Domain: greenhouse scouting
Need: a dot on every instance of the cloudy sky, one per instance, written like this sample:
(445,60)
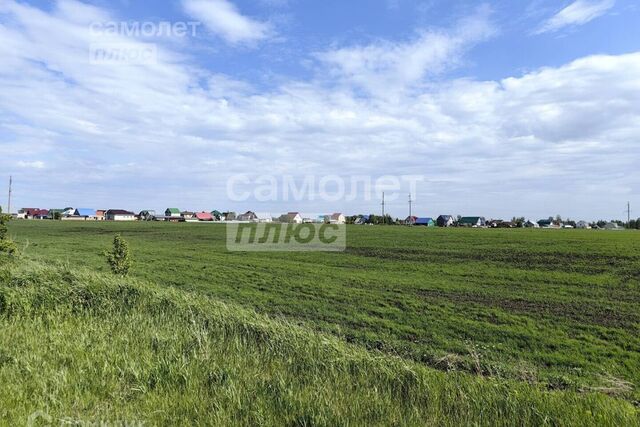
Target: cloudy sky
(505,108)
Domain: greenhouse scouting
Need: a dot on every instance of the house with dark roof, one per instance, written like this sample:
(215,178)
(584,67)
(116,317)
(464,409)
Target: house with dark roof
(291,218)
(472,221)
(247,217)
(217,215)
(119,215)
(33,213)
(549,223)
(361,219)
(445,221)
(147,215)
(187,215)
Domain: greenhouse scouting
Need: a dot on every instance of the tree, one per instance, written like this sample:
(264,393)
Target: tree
(6,244)
(119,258)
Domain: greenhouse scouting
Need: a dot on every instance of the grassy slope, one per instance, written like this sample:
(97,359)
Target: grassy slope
(560,308)
(84,346)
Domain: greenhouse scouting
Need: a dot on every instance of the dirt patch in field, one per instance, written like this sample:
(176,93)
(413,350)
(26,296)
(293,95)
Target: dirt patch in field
(579,312)
(624,266)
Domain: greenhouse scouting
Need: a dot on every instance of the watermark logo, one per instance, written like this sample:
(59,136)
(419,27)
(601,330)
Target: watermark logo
(327,188)
(287,237)
(144,29)
(129,42)
(39,419)
(122,53)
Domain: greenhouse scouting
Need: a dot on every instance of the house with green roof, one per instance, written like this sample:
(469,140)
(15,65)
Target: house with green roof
(172,212)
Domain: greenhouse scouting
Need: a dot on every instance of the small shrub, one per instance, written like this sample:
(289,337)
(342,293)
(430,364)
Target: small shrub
(119,258)
(6,244)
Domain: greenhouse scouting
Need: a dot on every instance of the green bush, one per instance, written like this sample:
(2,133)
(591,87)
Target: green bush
(6,244)
(119,258)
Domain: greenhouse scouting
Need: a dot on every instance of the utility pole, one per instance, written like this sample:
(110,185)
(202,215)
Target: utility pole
(9,203)
(409,207)
(628,214)
(383,205)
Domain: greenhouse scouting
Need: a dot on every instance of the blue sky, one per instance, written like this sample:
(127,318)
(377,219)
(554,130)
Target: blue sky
(506,108)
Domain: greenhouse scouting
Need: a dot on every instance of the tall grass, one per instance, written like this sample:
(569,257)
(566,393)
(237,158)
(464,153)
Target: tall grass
(87,347)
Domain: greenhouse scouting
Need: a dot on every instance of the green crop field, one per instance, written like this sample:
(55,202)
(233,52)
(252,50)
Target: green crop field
(531,326)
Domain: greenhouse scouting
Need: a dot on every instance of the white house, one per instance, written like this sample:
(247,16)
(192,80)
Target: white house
(291,218)
(582,224)
(337,218)
(119,215)
(263,217)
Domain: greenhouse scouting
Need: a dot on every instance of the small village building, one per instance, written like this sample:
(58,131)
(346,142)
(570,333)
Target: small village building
(291,218)
(229,216)
(172,212)
(100,214)
(472,221)
(147,215)
(583,225)
(264,217)
(204,216)
(119,215)
(425,222)
(445,221)
(248,216)
(549,223)
(337,218)
(612,226)
(531,224)
(34,213)
(187,214)
(361,220)
(217,216)
(410,220)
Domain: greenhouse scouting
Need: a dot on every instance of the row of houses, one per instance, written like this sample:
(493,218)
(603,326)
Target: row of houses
(177,215)
(82,214)
(172,215)
(479,221)
(446,221)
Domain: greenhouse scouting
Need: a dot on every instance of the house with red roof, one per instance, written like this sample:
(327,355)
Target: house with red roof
(204,216)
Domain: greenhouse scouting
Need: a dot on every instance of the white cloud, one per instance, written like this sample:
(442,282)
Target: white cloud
(577,13)
(36,164)
(223,18)
(555,140)
(387,67)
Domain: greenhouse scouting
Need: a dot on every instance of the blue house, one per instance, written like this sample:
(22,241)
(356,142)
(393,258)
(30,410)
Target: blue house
(427,222)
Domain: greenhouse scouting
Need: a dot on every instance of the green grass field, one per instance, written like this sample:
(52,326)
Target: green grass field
(550,314)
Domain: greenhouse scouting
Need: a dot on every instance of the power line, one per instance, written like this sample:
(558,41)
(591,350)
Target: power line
(9,202)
